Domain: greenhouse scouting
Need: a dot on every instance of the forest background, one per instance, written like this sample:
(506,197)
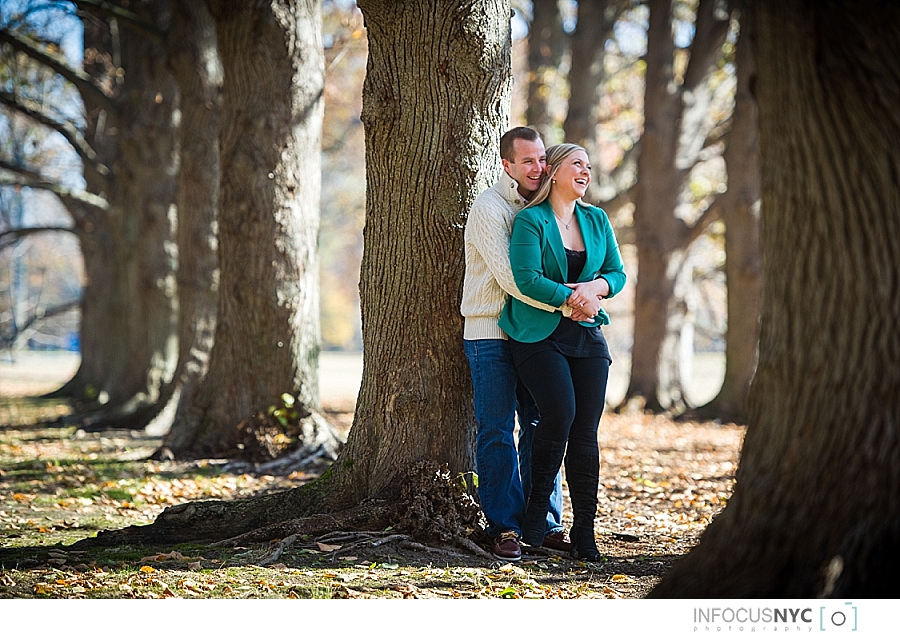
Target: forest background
(43,275)
(198,221)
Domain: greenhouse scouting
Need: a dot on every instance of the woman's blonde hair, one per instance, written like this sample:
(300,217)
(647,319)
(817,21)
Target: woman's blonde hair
(556,154)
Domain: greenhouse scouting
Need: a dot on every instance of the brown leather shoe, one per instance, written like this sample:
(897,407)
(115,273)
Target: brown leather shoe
(558,540)
(506,546)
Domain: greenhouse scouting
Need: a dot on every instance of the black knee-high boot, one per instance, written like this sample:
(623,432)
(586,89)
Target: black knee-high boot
(546,459)
(583,478)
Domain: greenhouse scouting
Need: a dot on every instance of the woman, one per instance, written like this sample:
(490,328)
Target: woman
(563,251)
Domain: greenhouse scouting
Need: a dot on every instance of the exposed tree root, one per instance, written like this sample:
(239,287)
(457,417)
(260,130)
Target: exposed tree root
(262,445)
(374,515)
(211,521)
(273,556)
(448,553)
(135,414)
(638,403)
(432,507)
(368,540)
(422,548)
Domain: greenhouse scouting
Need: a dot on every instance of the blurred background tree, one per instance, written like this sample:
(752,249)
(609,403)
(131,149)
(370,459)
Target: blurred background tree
(582,71)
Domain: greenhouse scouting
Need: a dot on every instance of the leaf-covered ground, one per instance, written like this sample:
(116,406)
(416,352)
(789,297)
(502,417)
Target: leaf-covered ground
(662,482)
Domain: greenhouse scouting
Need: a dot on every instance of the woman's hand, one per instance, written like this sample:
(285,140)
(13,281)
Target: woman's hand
(589,306)
(586,296)
(585,291)
(584,299)
(579,315)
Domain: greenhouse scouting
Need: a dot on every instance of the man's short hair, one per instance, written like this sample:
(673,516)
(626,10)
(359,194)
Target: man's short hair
(507,141)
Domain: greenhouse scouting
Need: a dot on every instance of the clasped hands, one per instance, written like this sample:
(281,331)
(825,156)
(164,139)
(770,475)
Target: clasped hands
(585,299)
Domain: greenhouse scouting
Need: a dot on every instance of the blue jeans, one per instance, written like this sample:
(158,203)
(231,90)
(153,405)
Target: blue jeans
(494,381)
(528,420)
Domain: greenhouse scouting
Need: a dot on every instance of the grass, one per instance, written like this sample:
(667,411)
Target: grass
(662,483)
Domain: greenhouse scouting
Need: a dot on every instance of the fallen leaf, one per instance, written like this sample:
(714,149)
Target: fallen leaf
(175,555)
(327,548)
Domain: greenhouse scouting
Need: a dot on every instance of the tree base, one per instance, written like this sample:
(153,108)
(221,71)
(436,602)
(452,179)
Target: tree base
(432,506)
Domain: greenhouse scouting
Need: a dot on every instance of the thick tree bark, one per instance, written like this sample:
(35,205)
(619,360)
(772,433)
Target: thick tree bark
(128,347)
(817,500)
(431,147)
(194,62)
(267,331)
(743,252)
(546,47)
(674,117)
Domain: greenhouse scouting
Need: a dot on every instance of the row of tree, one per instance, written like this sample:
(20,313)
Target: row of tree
(692,124)
(231,133)
(199,218)
(657,190)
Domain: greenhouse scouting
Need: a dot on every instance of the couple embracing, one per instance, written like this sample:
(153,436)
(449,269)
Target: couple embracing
(538,262)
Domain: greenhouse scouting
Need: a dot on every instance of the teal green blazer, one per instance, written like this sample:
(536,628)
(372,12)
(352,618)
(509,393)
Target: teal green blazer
(540,269)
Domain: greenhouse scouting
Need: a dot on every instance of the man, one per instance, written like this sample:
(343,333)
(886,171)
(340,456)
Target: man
(487,283)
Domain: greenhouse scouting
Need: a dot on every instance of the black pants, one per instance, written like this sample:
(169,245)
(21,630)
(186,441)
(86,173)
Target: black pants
(569,392)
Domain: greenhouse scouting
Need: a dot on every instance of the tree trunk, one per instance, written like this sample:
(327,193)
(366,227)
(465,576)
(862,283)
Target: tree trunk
(266,341)
(194,62)
(129,350)
(587,75)
(674,120)
(546,47)
(431,147)
(97,240)
(817,500)
(743,252)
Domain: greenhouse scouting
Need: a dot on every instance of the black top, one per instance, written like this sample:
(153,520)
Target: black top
(569,338)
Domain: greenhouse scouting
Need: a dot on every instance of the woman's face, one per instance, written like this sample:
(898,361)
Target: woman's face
(573,176)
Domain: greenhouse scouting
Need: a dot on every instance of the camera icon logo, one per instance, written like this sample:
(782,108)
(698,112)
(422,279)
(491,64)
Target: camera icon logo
(841,619)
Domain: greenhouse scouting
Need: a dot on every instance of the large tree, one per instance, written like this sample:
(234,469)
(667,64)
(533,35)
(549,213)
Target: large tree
(676,125)
(431,147)
(195,65)
(129,156)
(743,252)
(436,100)
(266,346)
(816,506)
(547,43)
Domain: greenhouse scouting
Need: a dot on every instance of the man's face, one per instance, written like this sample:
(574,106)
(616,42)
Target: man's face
(527,166)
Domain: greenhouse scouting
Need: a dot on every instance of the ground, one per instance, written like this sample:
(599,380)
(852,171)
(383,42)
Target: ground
(661,484)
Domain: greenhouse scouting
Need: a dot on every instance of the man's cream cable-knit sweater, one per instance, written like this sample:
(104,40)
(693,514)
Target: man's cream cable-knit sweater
(489,280)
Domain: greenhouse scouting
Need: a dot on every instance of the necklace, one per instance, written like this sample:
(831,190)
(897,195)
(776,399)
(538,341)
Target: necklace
(563,222)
